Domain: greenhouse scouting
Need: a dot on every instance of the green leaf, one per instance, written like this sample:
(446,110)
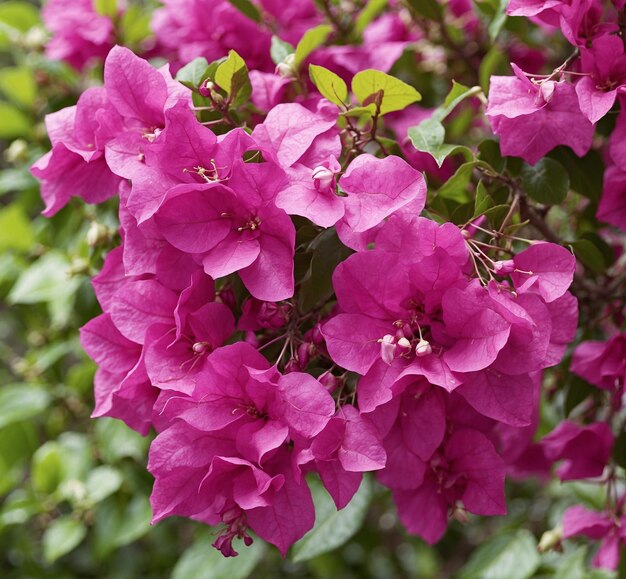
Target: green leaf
(546,182)
(106,7)
(312,39)
(483,200)
(317,285)
(456,96)
(117,441)
(510,554)
(494,62)
(586,173)
(330,85)
(16,231)
(18,441)
(63,536)
(489,152)
(102,482)
(47,469)
(456,188)
(18,84)
(589,255)
(280,50)
(45,280)
(499,19)
(16,18)
(232,77)
(135,25)
(18,179)
(203,561)
(430,9)
(395,94)
(14,122)
(247,8)
(372,9)
(428,137)
(332,528)
(367,111)
(192,74)
(117,525)
(20,402)
(576,566)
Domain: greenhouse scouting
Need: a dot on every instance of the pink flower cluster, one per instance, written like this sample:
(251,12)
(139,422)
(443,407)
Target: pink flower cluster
(416,367)
(533,114)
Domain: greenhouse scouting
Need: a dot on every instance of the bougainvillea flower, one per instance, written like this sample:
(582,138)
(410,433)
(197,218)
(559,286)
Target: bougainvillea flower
(585,449)
(533,118)
(602,364)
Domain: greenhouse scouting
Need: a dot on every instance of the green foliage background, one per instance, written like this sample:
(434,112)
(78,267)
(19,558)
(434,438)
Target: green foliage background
(74,491)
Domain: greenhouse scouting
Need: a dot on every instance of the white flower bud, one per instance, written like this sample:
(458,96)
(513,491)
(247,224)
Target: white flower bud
(547,90)
(387,348)
(323,177)
(404,343)
(423,348)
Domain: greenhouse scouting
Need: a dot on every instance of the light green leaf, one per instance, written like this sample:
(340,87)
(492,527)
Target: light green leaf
(428,137)
(14,123)
(456,96)
(372,9)
(102,482)
(47,469)
(17,16)
(510,555)
(332,528)
(247,8)
(117,441)
(482,201)
(16,231)
(232,77)
(20,402)
(106,7)
(395,95)
(330,85)
(192,74)
(546,182)
(456,188)
(203,561)
(312,39)
(135,25)
(280,50)
(63,536)
(116,526)
(18,84)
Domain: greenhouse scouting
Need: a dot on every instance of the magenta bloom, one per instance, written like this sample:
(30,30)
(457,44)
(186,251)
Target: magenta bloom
(79,34)
(231,460)
(533,118)
(602,364)
(604,527)
(466,469)
(585,449)
(76,165)
(235,229)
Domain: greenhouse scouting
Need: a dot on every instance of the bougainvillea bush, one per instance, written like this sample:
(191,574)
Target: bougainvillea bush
(350,283)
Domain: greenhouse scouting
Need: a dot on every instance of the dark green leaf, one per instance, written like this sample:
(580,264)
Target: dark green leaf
(247,8)
(483,200)
(430,9)
(589,255)
(510,555)
(546,182)
(332,528)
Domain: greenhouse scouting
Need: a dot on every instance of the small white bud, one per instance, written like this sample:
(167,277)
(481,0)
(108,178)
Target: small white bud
(423,348)
(323,177)
(547,90)
(404,343)
(387,348)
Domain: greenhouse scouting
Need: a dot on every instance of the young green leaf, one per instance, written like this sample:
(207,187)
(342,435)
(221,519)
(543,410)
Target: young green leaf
(192,74)
(396,95)
(280,50)
(232,77)
(312,39)
(372,9)
(330,85)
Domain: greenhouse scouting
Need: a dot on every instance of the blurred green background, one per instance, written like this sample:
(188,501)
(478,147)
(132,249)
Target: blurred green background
(74,491)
